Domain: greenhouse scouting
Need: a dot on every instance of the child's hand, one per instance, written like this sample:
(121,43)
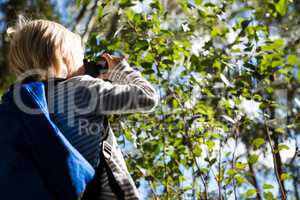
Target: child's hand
(112,61)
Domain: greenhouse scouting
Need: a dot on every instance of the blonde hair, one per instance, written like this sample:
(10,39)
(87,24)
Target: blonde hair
(44,45)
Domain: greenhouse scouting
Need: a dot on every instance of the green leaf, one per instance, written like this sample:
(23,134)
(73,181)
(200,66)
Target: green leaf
(210,145)
(205,170)
(215,31)
(212,161)
(285,176)
(240,180)
(268,186)
(298,76)
(282,147)
(240,165)
(100,11)
(273,46)
(258,142)
(251,192)
(280,130)
(78,3)
(198,2)
(148,71)
(269,196)
(292,59)
(197,150)
(130,15)
(128,134)
(217,64)
(216,135)
(156,5)
(281,7)
(231,172)
(141,45)
(253,158)
(125,3)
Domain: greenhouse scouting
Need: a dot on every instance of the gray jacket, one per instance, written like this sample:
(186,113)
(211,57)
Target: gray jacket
(125,92)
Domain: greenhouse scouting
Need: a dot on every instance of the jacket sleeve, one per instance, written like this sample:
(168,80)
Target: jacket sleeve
(125,92)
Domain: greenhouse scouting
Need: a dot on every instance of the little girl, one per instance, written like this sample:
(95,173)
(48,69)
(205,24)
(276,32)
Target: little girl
(42,50)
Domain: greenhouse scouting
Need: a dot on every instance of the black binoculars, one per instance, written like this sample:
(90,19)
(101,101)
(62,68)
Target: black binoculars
(95,67)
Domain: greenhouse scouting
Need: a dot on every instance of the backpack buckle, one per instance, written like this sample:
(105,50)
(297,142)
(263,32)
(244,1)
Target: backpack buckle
(106,149)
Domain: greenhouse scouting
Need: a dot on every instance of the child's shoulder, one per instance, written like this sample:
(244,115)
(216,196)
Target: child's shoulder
(78,80)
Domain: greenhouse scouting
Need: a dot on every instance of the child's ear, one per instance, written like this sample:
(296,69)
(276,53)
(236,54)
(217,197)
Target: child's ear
(66,67)
(10,32)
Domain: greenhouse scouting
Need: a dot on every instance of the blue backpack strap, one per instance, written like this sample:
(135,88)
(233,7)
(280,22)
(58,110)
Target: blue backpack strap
(65,172)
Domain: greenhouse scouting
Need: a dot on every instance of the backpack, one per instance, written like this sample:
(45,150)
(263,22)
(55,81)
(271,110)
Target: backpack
(36,161)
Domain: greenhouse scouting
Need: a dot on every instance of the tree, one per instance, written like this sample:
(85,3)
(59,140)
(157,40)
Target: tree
(227,76)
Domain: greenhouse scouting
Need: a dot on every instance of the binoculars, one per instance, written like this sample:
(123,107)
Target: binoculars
(95,68)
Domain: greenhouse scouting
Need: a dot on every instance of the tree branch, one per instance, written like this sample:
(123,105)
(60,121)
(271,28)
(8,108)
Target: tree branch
(282,190)
(90,22)
(253,177)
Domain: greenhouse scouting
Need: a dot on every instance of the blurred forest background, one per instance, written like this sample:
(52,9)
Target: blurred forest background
(227,71)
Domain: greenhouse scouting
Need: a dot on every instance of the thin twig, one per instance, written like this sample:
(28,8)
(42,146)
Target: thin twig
(219,169)
(253,177)
(236,134)
(283,195)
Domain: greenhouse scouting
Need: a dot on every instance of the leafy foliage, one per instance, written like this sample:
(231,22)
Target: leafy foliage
(227,74)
